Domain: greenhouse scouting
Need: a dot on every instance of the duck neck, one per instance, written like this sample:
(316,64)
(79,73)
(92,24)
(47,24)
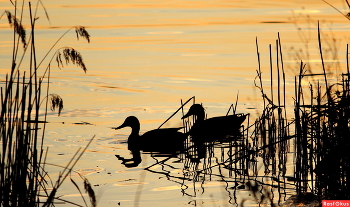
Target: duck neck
(135,130)
(200,116)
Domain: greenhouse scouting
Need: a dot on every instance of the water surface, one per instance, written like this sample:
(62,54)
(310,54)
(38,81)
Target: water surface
(143,59)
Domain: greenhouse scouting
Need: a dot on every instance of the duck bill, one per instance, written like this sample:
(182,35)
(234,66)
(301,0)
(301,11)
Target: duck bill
(243,117)
(120,127)
(186,115)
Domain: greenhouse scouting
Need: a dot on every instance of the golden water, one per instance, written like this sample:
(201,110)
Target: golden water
(144,57)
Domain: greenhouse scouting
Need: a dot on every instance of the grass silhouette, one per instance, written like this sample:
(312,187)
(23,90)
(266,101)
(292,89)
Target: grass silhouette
(23,178)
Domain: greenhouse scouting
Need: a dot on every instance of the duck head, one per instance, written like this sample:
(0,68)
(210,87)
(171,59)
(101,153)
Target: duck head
(132,122)
(196,110)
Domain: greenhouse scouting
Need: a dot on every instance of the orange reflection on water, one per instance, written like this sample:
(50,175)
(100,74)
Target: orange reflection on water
(130,183)
(145,56)
(122,88)
(89,171)
(179,187)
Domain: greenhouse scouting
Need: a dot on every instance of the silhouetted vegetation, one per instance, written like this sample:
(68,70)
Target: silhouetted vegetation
(24,180)
(315,130)
(312,134)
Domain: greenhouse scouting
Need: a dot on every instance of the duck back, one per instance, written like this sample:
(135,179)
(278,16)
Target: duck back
(216,128)
(162,140)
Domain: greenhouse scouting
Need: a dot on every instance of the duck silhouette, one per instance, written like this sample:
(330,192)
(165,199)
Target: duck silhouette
(215,128)
(157,140)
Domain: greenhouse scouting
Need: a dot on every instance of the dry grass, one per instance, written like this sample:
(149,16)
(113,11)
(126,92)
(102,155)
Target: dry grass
(318,130)
(23,178)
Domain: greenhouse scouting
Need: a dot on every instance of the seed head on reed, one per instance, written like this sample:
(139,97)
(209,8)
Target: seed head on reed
(19,29)
(23,156)
(90,192)
(56,102)
(81,31)
(70,55)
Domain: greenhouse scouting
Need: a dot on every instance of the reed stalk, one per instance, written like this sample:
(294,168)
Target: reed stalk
(320,123)
(23,177)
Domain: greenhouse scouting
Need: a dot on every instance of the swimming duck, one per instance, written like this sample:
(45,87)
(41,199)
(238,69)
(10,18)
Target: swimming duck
(213,128)
(157,140)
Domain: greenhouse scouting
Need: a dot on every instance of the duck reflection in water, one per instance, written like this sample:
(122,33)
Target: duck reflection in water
(134,161)
(215,128)
(165,141)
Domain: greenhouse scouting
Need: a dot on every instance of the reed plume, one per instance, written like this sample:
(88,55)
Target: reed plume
(56,102)
(81,31)
(24,180)
(70,55)
(18,27)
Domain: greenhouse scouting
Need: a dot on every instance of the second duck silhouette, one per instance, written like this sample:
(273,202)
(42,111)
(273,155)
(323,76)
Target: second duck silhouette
(157,140)
(215,128)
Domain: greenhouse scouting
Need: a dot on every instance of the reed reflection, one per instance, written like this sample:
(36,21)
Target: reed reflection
(203,166)
(224,156)
(206,155)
